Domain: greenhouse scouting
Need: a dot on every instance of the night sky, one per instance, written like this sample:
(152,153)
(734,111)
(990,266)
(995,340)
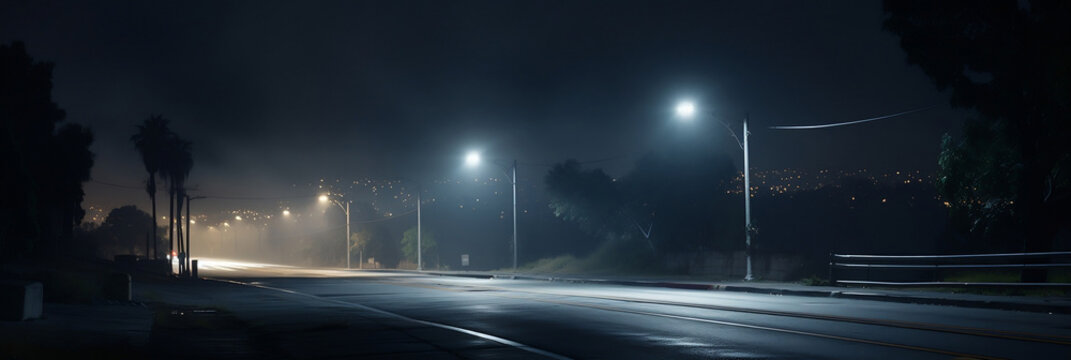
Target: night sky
(278,93)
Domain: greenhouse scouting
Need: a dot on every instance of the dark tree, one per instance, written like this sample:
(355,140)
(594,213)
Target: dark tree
(427,242)
(123,230)
(591,199)
(379,244)
(682,195)
(73,161)
(151,141)
(1010,61)
(42,171)
(176,166)
(673,202)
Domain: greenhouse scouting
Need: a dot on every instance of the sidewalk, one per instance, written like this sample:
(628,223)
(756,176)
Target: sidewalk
(1052,304)
(68,331)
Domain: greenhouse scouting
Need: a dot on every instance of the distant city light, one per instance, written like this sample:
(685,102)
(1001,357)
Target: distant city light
(286,212)
(238,217)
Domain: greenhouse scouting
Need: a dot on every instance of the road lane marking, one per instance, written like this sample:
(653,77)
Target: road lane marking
(486,336)
(697,319)
(962,330)
(759,327)
(994,333)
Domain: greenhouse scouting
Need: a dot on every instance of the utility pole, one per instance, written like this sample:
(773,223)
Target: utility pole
(419,247)
(348,234)
(189,204)
(514,180)
(748,229)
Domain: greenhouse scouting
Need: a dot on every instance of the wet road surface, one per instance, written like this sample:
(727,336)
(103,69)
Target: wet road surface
(585,321)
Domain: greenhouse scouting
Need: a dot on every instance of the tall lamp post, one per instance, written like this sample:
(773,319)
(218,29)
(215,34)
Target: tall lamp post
(419,246)
(686,110)
(237,219)
(346,209)
(189,221)
(473,160)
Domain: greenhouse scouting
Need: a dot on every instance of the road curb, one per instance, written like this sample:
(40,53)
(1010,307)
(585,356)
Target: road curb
(847,293)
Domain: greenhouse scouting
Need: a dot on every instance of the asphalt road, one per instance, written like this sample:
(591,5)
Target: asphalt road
(584,321)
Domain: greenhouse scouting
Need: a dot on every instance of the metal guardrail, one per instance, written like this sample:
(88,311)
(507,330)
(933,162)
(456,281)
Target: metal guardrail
(913,269)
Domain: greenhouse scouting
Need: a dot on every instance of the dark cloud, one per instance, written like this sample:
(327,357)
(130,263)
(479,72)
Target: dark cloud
(282,92)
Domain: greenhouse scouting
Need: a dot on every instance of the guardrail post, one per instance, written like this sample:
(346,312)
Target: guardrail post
(832,269)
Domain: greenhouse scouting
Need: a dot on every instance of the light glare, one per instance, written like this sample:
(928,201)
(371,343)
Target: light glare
(685,109)
(472,159)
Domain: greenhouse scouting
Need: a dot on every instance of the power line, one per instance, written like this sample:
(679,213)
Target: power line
(142,188)
(823,126)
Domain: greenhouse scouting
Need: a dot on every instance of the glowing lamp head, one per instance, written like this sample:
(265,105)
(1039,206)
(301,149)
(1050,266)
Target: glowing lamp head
(472,159)
(323,198)
(685,110)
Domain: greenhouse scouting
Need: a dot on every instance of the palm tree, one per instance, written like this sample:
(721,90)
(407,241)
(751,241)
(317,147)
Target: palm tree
(178,161)
(150,141)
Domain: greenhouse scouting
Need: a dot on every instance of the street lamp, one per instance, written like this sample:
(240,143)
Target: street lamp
(346,209)
(473,160)
(686,110)
(188,261)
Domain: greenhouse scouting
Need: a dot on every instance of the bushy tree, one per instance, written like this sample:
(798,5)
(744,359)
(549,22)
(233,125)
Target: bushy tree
(1009,61)
(378,243)
(427,241)
(124,231)
(672,202)
(681,198)
(589,198)
(976,177)
(41,170)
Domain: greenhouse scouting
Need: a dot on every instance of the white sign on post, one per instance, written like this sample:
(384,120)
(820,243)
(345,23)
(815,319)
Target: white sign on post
(464,259)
